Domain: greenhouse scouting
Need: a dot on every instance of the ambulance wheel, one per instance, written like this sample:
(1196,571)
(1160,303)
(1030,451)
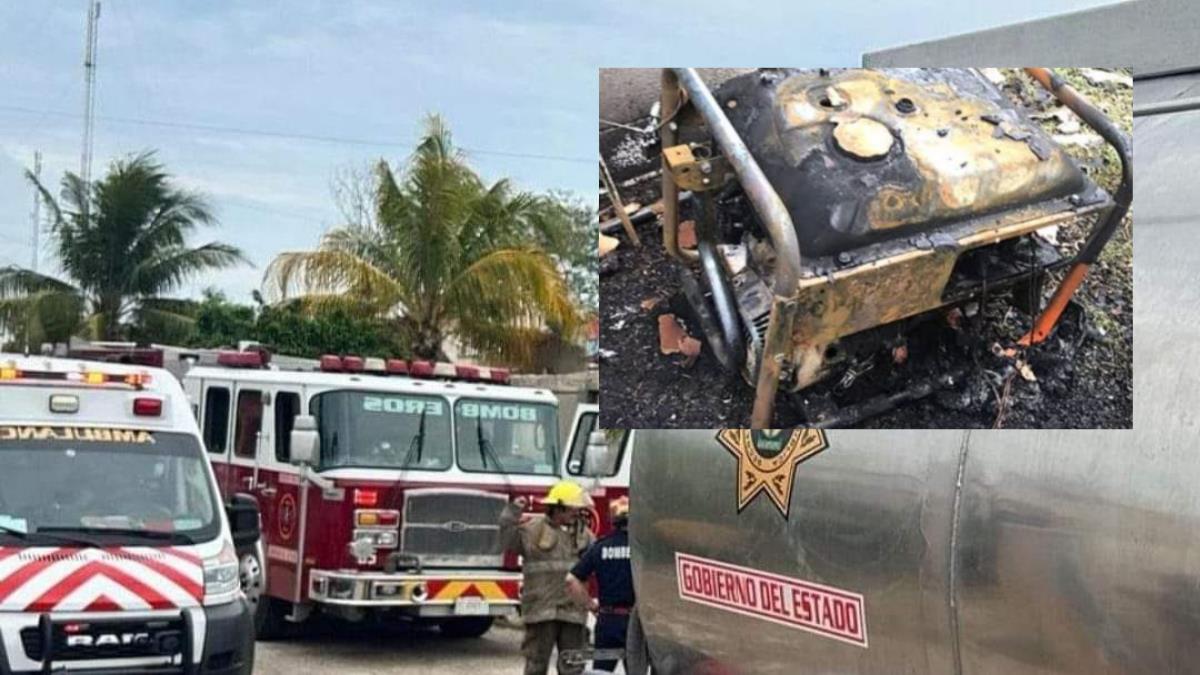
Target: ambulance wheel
(470,627)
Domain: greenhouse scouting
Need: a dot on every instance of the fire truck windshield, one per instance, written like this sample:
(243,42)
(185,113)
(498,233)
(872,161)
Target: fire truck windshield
(383,429)
(104,486)
(506,436)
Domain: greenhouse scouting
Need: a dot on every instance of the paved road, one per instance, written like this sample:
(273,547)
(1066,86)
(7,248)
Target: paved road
(360,649)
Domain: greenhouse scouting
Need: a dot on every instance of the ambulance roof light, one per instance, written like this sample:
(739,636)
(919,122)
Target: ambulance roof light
(331,363)
(10,374)
(352,364)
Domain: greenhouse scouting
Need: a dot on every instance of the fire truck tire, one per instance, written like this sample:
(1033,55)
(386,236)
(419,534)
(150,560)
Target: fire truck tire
(269,621)
(471,627)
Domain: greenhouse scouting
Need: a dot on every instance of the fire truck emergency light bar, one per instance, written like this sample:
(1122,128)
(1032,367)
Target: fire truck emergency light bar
(333,363)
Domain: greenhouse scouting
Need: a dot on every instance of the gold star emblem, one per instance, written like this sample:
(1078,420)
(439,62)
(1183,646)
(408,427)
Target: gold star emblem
(767,460)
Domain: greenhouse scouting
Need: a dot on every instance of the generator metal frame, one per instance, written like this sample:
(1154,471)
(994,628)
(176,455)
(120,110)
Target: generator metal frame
(791,292)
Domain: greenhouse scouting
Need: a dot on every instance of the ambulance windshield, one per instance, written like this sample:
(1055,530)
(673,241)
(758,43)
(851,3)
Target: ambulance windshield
(385,430)
(506,437)
(104,486)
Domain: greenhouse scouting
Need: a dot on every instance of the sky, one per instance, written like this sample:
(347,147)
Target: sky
(349,82)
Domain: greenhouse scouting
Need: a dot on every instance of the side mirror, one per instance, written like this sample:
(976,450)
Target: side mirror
(243,519)
(306,444)
(596,461)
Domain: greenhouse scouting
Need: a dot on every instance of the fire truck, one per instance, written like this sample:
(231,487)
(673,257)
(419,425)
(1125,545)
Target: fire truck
(380,483)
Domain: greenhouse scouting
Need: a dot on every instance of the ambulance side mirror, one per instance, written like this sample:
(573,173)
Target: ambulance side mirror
(596,461)
(306,444)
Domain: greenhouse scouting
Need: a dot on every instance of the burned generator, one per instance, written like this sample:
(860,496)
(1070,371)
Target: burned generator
(830,202)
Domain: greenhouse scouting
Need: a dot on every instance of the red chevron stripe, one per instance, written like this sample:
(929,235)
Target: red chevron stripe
(62,589)
(512,589)
(186,556)
(191,585)
(21,575)
(103,603)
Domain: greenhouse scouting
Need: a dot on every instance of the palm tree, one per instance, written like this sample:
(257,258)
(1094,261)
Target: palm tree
(122,244)
(441,254)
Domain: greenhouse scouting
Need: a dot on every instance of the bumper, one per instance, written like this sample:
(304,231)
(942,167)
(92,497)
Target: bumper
(216,641)
(428,594)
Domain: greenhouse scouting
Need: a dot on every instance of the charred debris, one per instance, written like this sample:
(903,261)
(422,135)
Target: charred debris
(844,242)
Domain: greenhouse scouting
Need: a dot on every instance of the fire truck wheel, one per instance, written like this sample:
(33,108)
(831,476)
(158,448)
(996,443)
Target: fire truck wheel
(269,621)
(471,627)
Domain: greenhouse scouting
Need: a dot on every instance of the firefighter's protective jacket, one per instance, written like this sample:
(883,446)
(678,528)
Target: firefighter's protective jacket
(548,553)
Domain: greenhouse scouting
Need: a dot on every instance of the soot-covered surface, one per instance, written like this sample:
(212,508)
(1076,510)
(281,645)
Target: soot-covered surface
(1080,378)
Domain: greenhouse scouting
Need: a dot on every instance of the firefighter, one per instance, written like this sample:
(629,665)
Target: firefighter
(550,545)
(608,560)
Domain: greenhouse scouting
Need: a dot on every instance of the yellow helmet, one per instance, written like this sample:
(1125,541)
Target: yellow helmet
(569,494)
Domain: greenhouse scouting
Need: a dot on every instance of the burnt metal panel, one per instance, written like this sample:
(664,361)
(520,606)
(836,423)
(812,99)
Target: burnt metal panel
(864,156)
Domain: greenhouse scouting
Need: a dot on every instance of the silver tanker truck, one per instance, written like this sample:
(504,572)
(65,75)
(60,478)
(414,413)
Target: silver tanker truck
(965,552)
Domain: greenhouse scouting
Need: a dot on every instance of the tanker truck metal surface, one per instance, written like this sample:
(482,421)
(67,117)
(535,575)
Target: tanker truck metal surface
(921,552)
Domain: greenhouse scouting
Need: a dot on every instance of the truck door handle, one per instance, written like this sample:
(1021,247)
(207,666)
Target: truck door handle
(248,481)
(266,490)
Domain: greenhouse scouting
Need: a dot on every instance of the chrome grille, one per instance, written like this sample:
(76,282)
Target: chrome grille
(453,527)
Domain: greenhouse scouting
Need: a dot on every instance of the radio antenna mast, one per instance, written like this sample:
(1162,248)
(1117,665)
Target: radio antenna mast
(89,96)
(37,207)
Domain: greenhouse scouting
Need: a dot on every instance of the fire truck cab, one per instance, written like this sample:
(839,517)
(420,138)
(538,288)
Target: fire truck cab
(380,483)
(602,468)
(115,553)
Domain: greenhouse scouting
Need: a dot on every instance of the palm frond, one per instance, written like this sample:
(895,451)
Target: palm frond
(167,268)
(328,272)
(15,281)
(164,315)
(518,288)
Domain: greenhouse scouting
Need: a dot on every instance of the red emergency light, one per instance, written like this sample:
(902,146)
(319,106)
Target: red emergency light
(352,364)
(232,359)
(147,407)
(366,497)
(331,363)
(420,369)
(397,367)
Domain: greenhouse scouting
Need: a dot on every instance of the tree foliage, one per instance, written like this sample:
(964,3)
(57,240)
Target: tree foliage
(121,243)
(441,254)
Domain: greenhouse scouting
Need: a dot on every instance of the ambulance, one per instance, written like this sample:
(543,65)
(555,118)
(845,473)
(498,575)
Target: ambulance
(380,483)
(117,554)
